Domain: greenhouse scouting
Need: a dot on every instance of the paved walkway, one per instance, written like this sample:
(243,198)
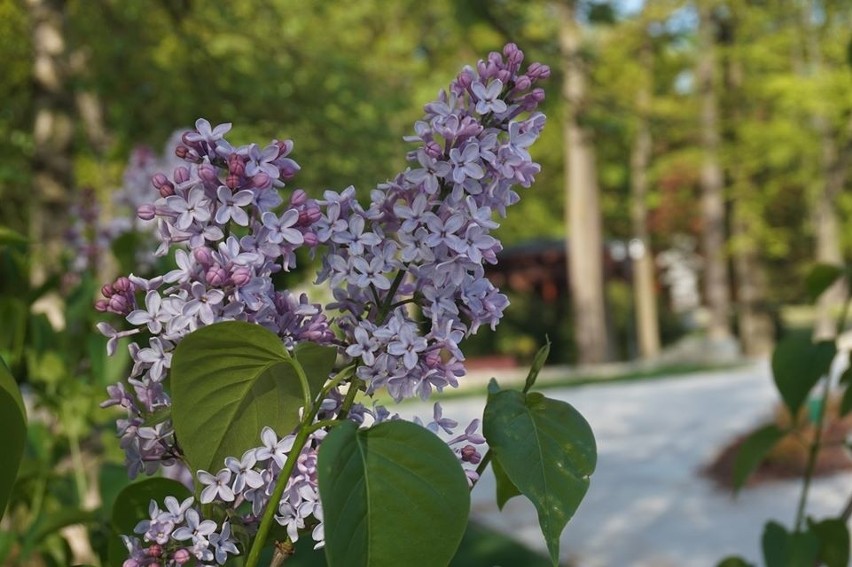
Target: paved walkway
(647,505)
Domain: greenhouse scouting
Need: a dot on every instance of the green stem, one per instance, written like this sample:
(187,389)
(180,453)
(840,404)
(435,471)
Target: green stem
(813,452)
(79,467)
(354,386)
(338,379)
(385,308)
(324,423)
(483,464)
(303,380)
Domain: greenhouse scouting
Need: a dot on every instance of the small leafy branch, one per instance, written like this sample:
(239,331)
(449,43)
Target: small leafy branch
(799,367)
(263,402)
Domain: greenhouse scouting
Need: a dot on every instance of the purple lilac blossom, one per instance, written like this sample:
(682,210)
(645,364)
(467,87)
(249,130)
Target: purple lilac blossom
(422,240)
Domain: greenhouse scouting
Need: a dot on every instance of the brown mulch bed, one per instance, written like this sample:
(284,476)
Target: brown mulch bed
(788,459)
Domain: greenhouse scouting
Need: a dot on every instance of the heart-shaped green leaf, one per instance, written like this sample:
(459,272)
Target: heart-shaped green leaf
(131,507)
(784,549)
(547,450)
(505,489)
(797,365)
(394,494)
(833,538)
(13,433)
(753,451)
(231,379)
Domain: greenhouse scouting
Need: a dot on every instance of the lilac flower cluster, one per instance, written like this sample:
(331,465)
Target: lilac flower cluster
(426,234)
(420,243)
(177,536)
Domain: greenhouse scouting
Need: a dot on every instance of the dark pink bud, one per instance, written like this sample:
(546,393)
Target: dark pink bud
(123,284)
(185,138)
(298,198)
(241,276)
(181,152)
(203,256)
(182,556)
(233,181)
(158,180)
(146,212)
(313,213)
(513,55)
(101,305)
(216,276)
(236,165)
(130,563)
(433,150)
(118,304)
(538,71)
(504,76)
(167,190)
(470,455)
(310,239)
(154,551)
(107,290)
(260,180)
(181,174)
(208,173)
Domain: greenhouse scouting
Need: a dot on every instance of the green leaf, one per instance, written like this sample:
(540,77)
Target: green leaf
(317,362)
(538,363)
(13,433)
(131,507)
(394,494)
(50,523)
(753,451)
(505,489)
(9,236)
(493,386)
(833,538)
(734,561)
(797,365)
(784,549)
(820,278)
(230,379)
(548,452)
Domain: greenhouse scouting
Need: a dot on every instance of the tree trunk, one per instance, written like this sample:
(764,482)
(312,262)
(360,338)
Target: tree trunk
(712,186)
(647,324)
(52,137)
(583,216)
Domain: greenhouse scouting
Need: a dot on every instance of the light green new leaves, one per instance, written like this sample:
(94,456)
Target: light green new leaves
(392,495)
(547,450)
(13,433)
(231,379)
(797,365)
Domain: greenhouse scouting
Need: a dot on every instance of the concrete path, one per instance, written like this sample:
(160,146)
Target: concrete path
(647,505)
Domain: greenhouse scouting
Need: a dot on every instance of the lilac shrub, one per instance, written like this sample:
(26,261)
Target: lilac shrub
(405,273)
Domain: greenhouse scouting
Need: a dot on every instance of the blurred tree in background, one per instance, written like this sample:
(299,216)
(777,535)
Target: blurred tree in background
(765,84)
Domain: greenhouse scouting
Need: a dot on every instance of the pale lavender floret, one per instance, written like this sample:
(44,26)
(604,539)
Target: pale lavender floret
(206,133)
(156,357)
(216,486)
(244,473)
(223,544)
(153,315)
(202,303)
(194,208)
(489,97)
(231,206)
(281,228)
(440,422)
(273,448)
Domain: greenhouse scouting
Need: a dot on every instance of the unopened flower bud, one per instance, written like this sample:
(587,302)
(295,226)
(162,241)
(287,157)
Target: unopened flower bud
(130,563)
(123,284)
(118,304)
(241,276)
(216,276)
(233,181)
(181,152)
(208,173)
(155,550)
(469,454)
(181,556)
(260,180)
(504,75)
(310,239)
(158,180)
(522,83)
(181,174)
(146,212)
(101,305)
(298,198)
(284,147)
(203,256)
(167,190)
(107,290)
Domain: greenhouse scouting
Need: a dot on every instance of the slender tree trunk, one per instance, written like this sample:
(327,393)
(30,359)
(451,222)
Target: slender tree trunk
(754,321)
(647,323)
(52,137)
(712,186)
(827,189)
(583,216)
